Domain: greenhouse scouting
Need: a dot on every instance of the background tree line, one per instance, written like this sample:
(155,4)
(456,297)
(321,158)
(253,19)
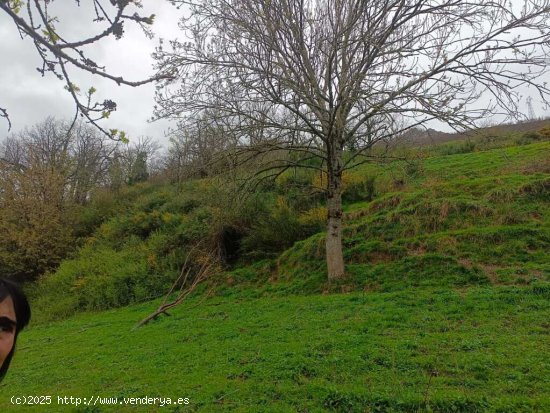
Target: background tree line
(48,172)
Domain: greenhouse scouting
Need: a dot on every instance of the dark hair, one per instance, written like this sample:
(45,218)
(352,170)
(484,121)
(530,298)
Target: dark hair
(22,313)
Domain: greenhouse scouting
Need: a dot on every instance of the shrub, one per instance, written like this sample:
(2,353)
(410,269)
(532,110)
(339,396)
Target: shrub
(313,220)
(361,188)
(195,227)
(97,279)
(294,178)
(413,168)
(88,218)
(544,133)
(356,186)
(181,204)
(458,148)
(275,231)
(527,138)
(141,224)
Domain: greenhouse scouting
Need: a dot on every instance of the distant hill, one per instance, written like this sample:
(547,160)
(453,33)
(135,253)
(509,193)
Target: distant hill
(417,136)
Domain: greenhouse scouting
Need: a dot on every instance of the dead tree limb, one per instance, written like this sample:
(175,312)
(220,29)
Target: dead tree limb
(190,277)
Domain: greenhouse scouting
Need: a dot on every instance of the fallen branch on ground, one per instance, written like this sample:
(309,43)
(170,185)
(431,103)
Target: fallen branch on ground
(190,277)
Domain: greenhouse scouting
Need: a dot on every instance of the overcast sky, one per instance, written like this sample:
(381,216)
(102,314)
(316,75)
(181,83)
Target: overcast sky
(29,97)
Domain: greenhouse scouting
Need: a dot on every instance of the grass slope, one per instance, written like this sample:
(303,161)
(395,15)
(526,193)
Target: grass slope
(478,349)
(446,305)
(466,219)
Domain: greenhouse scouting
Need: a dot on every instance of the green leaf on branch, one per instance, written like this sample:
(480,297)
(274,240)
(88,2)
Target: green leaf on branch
(50,35)
(71,87)
(15,6)
(122,137)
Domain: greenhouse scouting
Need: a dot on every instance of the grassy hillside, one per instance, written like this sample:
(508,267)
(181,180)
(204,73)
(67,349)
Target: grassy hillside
(428,349)
(445,306)
(466,219)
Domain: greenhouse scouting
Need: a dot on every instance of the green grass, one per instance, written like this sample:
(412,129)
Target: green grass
(444,350)
(445,305)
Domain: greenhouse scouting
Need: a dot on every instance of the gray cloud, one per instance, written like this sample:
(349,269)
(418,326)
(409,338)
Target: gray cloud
(29,98)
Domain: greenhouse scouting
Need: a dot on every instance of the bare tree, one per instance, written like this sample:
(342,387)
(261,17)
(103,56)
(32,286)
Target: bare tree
(198,151)
(90,154)
(35,226)
(79,154)
(315,76)
(45,171)
(137,158)
(34,20)
(176,160)
(12,153)
(44,152)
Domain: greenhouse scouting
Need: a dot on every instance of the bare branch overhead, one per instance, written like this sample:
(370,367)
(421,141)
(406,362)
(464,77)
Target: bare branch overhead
(35,21)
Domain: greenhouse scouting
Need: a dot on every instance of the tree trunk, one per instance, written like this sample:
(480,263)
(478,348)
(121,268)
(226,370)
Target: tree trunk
(335,258)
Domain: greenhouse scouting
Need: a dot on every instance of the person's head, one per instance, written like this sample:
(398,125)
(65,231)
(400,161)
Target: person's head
(15,314)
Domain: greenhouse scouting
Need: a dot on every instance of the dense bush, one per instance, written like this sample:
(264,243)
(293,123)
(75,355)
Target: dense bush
(294,178)
(133,256)
(274,231)
(99,278)
(137,253)
(359,188)
(87,218)
(544,133)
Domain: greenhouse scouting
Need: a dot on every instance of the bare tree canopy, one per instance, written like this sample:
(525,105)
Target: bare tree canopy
(318,75)
(59,55)
(78,153)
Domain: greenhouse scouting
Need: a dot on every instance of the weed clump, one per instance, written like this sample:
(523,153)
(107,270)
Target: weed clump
(458,148)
